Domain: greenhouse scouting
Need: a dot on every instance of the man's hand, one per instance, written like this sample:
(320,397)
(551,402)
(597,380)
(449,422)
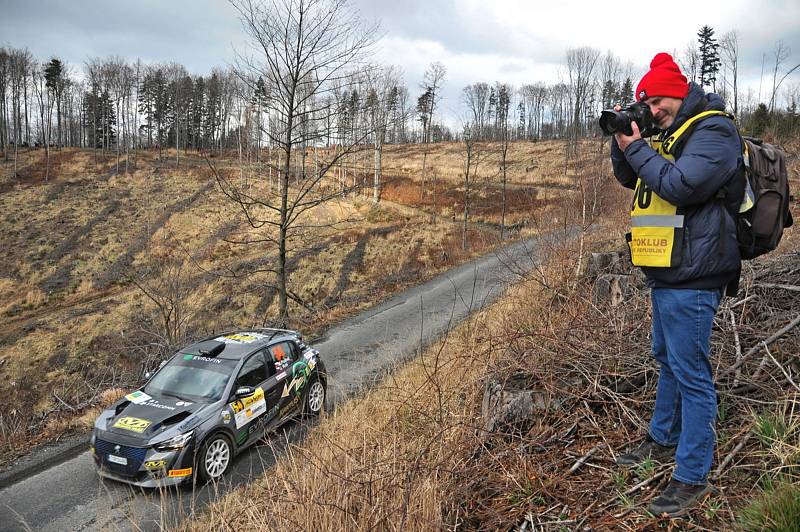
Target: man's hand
(624,140)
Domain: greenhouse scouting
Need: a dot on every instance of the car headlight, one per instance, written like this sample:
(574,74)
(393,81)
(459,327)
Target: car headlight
(173,444)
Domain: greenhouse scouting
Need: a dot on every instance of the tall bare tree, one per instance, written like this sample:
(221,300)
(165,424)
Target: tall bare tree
(382,100)
(476,97)
(304,50)
(729,44)
(426,107)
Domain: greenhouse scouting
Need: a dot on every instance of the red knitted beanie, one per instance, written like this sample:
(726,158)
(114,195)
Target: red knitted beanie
(663,79)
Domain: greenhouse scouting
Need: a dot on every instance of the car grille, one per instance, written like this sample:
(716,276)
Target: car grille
(135,456)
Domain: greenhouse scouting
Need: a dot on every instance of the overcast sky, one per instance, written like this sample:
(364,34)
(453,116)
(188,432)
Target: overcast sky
(512,41)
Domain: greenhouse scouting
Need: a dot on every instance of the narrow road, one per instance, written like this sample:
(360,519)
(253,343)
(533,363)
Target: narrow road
(70,495)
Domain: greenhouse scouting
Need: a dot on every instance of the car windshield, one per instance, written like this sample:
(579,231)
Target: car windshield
(192,377)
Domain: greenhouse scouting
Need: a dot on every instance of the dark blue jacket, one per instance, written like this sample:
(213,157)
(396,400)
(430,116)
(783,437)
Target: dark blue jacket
(710,159)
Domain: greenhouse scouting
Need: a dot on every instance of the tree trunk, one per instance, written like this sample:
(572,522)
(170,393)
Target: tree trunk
(283,310)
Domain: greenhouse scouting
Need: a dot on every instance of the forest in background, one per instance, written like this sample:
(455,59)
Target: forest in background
(117,105)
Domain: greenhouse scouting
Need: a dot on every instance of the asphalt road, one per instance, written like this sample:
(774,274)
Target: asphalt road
(70,495)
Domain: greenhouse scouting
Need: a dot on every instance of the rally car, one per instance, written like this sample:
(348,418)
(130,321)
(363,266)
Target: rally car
(207,403)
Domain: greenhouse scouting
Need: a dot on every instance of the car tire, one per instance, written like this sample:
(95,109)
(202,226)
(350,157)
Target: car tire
(215,457)
(315,398)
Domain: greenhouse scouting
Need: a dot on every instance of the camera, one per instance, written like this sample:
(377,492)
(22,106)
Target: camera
(612,121)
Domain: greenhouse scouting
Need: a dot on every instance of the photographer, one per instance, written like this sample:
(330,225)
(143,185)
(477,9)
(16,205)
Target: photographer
(683,235)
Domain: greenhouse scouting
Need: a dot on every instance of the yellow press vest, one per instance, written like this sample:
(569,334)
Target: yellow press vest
(657,230)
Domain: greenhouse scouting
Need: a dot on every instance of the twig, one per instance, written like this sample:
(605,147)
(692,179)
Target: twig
(792,324)
(738,345)
(583,459)
(788,378)
(730,455)
(638,486)
(742,301)
(60,400)
(790,287)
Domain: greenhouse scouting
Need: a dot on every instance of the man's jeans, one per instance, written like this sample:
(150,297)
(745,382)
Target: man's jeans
(686,402)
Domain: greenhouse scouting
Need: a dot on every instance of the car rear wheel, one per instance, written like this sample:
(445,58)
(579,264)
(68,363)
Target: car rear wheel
(216,458)
(315,400)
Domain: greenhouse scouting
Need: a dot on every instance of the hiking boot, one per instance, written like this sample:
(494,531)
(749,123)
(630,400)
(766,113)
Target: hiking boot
(678,498)
(647,449)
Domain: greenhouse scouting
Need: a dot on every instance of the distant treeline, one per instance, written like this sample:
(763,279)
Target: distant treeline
(116,105)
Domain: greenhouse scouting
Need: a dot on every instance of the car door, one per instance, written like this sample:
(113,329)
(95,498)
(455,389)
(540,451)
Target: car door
(284,357)
(249,412)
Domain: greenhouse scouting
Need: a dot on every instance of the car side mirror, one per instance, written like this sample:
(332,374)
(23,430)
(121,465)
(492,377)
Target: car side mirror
(244,391)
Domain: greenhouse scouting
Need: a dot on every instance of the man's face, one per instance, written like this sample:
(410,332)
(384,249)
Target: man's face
(664,109)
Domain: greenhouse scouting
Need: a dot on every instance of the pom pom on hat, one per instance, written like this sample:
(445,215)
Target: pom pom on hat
(663,79)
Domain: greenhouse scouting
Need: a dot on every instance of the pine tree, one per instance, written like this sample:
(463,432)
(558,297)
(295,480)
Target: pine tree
(709,57)
(626,93)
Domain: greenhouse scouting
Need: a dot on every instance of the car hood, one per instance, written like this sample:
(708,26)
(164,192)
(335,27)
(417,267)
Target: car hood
(139,415)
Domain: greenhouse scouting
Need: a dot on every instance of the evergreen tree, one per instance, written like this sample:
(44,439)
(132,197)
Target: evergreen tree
(424,109)
(625,96)
(759,121)
(100,119)
(709,57)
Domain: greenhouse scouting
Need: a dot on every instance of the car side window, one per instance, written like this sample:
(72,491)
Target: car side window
(282,355)
(253,372)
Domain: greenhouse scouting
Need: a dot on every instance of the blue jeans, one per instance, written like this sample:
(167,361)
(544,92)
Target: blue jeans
(686,401)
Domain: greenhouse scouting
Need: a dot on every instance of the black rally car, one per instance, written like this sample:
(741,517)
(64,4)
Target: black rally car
(207,403)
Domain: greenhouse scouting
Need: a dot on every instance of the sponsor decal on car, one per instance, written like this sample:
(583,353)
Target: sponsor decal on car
(183,403)
(247,409)
(226,416)
(133,424)
(300,373)
(289,406)
(180,472)
(202,359)
(241,338)
(155,464)
(153,403)
(138,397)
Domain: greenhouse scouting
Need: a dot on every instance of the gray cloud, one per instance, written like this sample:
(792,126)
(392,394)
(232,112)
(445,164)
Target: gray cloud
(512,41)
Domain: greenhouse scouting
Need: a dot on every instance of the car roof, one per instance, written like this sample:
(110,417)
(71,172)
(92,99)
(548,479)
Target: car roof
(239,343)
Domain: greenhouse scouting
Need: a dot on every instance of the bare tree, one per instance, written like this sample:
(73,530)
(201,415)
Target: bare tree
(476,97)
(503,104)
(46,99)
(730,52)
(472,157)
(164,279)
(426,107)
(581,64)
(781,54)
(689,61)
(5,77)
(305,49)
(380,104)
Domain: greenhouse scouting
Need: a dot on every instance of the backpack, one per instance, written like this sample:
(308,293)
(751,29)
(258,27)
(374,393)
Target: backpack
(763,213)
(759,228)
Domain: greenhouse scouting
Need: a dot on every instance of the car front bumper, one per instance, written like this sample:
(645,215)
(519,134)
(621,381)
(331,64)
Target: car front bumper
(140,466)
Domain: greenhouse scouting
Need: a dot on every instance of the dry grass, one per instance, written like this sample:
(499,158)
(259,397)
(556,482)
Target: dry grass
(72,324)
(411,455)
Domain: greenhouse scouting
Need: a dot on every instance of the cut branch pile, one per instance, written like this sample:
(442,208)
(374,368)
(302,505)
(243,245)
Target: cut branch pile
(594,360)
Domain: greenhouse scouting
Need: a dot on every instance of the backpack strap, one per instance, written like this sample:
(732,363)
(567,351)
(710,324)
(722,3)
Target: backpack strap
(669,143)
(676,139)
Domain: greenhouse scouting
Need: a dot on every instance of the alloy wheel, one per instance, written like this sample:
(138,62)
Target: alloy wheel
(316,396)
(217,458)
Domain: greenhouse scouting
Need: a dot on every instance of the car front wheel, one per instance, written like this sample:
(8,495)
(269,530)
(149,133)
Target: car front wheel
(216,458)
(315,400)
